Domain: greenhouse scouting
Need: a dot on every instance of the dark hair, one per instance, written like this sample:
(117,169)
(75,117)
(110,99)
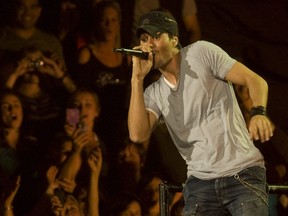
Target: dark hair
(7,91)
(139,146)
(97,13)
(121,201)
(56,145)
(102,5)
(4,93)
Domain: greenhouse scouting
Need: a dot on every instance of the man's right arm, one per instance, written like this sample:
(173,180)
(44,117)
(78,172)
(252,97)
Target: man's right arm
(140,121)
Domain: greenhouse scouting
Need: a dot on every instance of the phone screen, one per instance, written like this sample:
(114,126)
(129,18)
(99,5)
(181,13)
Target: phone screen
(72,116)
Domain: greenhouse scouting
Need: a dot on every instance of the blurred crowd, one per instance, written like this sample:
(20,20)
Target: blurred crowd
(64,94)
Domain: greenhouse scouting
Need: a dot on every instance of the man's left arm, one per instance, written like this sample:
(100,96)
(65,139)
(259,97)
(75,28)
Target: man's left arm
(260,126)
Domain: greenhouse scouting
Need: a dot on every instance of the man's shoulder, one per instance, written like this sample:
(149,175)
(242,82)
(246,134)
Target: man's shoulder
(202,46)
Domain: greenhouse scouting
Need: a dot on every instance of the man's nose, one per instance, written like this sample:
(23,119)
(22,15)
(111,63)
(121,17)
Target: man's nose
(151,40)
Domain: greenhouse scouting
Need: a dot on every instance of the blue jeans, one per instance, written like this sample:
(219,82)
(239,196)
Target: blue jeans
(244,194)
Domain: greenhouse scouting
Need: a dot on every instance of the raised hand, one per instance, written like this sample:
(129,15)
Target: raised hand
(52,68)
(9,199)
(51,179)
(56,205)
(67,185)
(95,160)
(80,139)
(142,67)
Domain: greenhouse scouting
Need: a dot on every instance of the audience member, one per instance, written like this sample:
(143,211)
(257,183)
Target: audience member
(72,30)
(105,71)
(60,148)
(64,203)
(149,193)
(18,153)
(85,144)
(71,206)
(128,167)
(42,206)
(62,187)
(69,18)
(88,104)
(22,32)
(43,87)
(123,204)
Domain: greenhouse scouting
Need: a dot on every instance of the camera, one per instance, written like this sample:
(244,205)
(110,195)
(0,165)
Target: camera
(36,63)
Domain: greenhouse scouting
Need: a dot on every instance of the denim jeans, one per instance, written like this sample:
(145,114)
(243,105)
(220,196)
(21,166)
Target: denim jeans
(244,194)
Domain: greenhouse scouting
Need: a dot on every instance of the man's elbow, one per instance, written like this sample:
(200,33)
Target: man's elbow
(137,138)
(263,83)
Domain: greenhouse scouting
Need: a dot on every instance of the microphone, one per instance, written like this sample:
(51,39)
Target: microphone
(137,53)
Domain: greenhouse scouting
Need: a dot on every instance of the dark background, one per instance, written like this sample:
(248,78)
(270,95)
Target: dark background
(256,33)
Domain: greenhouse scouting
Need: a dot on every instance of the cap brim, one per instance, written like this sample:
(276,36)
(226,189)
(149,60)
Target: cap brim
(151,30)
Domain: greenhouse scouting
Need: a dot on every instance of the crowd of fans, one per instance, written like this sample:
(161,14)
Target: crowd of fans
(64,144)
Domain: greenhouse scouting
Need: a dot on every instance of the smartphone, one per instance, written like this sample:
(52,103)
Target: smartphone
(72,116)
(61,194)
(82,127)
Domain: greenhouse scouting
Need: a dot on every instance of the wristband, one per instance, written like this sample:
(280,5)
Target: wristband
(258,110)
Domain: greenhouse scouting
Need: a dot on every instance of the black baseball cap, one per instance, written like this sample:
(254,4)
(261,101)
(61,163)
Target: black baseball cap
(157,22)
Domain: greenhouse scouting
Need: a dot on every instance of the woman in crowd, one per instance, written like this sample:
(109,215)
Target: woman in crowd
(84,142)
(18,153)
(64,203)
(127,169)
(76,155)
(105,71)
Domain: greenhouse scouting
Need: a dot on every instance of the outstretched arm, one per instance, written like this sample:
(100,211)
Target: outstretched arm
(72,165)
(95,164)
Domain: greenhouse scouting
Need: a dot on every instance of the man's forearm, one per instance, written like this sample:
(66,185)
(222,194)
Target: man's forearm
(258,91)
(138,121)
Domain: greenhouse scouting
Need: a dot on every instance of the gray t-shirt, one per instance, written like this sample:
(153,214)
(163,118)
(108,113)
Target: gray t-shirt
(203,116)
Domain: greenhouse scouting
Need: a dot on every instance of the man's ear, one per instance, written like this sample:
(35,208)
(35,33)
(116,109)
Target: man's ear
(175,41)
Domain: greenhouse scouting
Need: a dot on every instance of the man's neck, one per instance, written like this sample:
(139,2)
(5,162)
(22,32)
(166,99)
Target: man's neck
(172,70)
(24,33)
